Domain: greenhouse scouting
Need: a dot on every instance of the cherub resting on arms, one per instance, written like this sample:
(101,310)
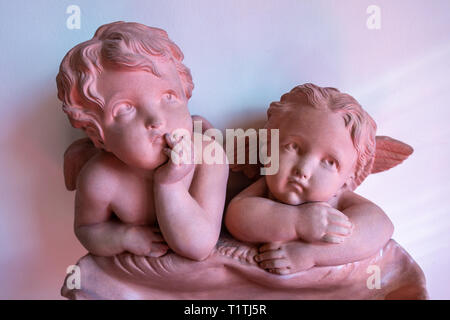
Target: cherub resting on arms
(307,214)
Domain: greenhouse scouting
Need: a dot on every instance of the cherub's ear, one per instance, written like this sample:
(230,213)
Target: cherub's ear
(96,136)
(389,153)
(349,184)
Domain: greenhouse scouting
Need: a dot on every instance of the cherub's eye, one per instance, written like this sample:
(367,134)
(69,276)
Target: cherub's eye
(292,146)
(123,109)
(330,163)
(169,96)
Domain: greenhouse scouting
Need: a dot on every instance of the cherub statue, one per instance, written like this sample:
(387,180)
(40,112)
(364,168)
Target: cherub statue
(128,89)
(307,214)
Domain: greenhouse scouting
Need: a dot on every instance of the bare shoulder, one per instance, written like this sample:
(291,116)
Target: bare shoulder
(350,198)
(213,158)
(256,189)
(100,177)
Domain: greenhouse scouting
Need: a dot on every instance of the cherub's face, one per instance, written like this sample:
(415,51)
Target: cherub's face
(317,157)
(139,109)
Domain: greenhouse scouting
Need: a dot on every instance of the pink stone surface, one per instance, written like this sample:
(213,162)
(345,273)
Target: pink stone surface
(228,274)
(151,222)
(128,89)
(307,213)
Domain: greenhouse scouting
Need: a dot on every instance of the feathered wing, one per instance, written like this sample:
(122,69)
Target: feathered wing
(388,154)
(75,157)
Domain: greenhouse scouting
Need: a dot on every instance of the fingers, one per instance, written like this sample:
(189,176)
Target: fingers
(336,234)
(268,255)
(158,249)
(337,215)
(270,246)
(339,230)
(274,264)
(169,140)
(172,139)
(173,149)
(179,149)
(272,259)
(339,225)
(280,271)
(333,238)
(173,156)
(339,221)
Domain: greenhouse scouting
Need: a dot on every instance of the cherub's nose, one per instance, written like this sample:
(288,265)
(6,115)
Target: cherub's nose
(301,174)
(303,169)
(153,124)
(153,116)
(153,120)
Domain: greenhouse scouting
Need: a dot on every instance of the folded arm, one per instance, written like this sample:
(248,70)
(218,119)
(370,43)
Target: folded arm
(251,217)
(372,230)
(96,226)
(190,217)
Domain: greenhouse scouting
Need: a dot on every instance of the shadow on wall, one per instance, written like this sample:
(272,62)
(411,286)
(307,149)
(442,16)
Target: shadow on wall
(34,152)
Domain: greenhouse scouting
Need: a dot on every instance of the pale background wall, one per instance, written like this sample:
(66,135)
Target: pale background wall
(243,55)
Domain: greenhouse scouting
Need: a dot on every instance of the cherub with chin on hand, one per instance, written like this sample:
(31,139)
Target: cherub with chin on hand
(128,89)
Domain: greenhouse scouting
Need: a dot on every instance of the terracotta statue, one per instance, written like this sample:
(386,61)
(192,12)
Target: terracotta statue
(151,217)
(327,146)
(128,89)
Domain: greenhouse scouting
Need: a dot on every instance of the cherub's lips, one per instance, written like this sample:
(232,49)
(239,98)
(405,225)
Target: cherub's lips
(155,136)
(296,183)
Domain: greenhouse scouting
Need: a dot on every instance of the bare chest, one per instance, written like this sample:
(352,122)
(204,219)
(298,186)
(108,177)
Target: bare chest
(135,202)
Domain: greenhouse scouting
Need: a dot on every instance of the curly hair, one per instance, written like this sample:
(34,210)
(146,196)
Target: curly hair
(361,126)
(124,45)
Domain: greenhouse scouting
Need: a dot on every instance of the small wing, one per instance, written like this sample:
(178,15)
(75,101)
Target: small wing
(75,157)
(389,153)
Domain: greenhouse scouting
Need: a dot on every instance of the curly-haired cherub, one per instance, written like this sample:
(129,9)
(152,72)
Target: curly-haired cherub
(128,89)
(307,214)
